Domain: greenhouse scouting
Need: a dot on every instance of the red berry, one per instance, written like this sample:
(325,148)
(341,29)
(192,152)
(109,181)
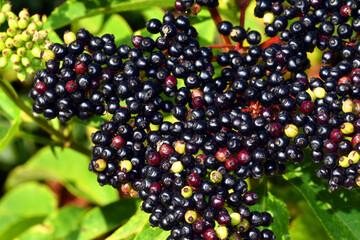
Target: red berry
(80,67)
(40,87)
(136,40)
(194,180)
(118,141)
(165,150)
(222,154)
(210,234)
(155,188)
(171,81)
(243,157)
(345,11)
(217,202)
(231,164)
(198,102)
(178,6)
(71,86)
(307,107)
(330,146)
(355,139)
(250,198)
(275,129)
(336,135)
(154,158)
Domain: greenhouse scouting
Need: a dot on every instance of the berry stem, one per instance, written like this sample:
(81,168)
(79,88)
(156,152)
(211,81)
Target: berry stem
(221,46)
(60,137)
(243,6)
(270,41)
(217,19)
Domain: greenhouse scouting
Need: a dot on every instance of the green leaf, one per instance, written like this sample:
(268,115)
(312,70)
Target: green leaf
(66,166)
(277,209)
(150,233)
(117,26)
(9,119)
(133,226)
(337,211)
(55,226)
(74,10)
(23,207)
(101,220)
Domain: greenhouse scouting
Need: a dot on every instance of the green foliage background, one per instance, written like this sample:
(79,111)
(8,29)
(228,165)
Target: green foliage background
(31,159)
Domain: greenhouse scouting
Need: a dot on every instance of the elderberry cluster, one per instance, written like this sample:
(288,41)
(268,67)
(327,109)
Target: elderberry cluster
(333,27)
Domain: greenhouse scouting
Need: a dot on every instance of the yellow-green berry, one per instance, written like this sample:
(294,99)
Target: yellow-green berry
(319,92)
(21,76)
(11,32)
(47,55)
(24,13)
(69,37)
(186,192)
(30,70)
(15,59)
(7,52)
(13,23)
(291,130)
(191,216)
(357,180)
(2,17)
(177,167)
(25,61)
(222,232)
(354,157)
(23,23)
(344,161)
(21,51)
(3,62)
(235,218)
(6,7)
(215,176)
(125,166)
(244,225)
(180,146)
(36,61)
(9,42)
(2,45)
(347,128)
(100,165)
(348,106)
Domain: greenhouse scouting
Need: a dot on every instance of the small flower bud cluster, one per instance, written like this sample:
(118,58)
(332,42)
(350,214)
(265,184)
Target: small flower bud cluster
(23,41)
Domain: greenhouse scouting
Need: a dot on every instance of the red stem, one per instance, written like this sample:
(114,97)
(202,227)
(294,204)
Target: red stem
(270,41)
(217,19)
(243,6)
(221,46)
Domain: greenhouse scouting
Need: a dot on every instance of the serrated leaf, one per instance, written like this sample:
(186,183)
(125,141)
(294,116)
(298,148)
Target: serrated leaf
(23,207)
(9,120)
(66,166)
(133,226)
(101,220)
(74,10)
(338,211)
(150,233)
(55,226)
(277,209)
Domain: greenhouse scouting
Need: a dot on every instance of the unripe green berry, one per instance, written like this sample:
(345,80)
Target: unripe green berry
(354,157)
(222,232)
(191,216)
(32,27)
(25,62)
(29,46)
(69,37)
(3,62)
(100,165)
(2,17)
(13,23)
(235,218)
(319,92)
(215,176)
(21,76)
(11,32)
(244,225)
(6,7)
(3,36)
(36,61)
(10,15)
(344,162)
(177,167)
(23,23)
(186,192)
(7,52)
(21,51)
(35,18)
(9,43)
(18,42)
(15,59)
(180,146)
(40,36)
(18,68)
(26,36)
(35,51)
(30,70)
(2,45)
(268,18)
(24,13)
(291,130)
(125,166)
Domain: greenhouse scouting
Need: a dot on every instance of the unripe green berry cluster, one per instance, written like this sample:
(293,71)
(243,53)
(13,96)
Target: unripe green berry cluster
(23,41)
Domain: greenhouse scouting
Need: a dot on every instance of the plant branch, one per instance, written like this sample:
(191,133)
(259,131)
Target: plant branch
(270,41)
(217,19)
(60,137)
(243,6)
(221,46)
